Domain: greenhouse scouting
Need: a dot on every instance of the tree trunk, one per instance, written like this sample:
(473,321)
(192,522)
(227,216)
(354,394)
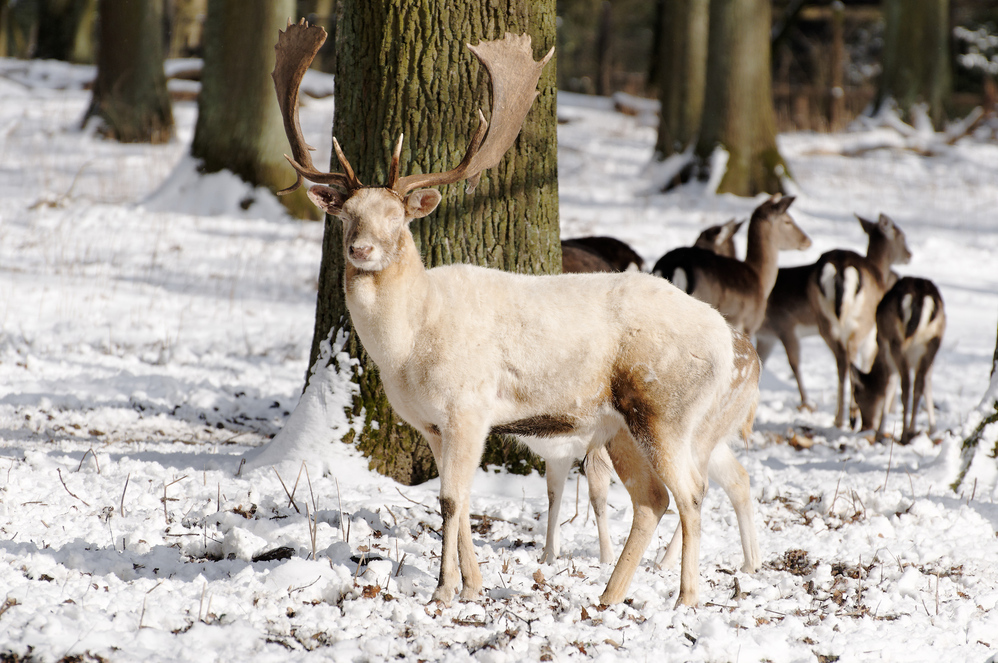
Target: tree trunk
(397,70)
(66,30)
(681,67)
(239,126)
(738,111)
(130,95)
(916,57)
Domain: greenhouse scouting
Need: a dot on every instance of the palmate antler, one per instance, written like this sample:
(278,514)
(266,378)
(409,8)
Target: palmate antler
(512,72)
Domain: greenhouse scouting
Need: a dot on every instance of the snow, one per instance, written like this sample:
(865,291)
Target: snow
(153,338)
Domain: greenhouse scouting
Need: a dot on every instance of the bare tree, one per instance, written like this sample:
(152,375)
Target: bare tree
(916,57)
(972,450)
(130,95)
(738,111)
(239,126)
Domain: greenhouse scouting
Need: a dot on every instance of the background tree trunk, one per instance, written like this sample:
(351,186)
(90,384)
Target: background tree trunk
(66,30)
(186,27)
(239,126)
(680,70)
(916,57)
(398,70)
(738,102)
(130,95)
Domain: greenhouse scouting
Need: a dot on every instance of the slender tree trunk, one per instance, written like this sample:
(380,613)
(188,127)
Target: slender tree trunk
(239,126)
(66,30)
(738,111)
(916,57)
(130,95)
(681,67)
(971,450)
(398,71)
(186,26)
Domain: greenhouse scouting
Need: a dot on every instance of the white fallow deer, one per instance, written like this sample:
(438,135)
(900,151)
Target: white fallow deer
(844,289)
(464,350)
(911,321)
(789,314)
(738,289)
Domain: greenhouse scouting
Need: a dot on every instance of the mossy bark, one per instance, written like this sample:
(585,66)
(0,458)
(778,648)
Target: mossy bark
(130,95)
(916,57)
(406,69)
(738,110)
(239,126)
(680,71)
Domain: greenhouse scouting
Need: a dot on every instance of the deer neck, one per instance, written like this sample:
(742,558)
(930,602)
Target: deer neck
(878,254)
(761,255)
(386,306)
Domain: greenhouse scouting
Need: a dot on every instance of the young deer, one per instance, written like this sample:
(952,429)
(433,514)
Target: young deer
(911,321)
(737,289)
(789,314)
(464,350)
(618,254)
(844,289)
(720,239)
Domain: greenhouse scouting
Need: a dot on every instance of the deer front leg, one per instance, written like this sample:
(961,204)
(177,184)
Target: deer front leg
(556,472)
(460,450)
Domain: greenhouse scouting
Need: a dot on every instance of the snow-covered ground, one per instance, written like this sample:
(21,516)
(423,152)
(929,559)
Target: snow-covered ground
(146,345)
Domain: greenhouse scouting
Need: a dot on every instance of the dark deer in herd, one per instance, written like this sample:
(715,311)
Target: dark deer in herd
(844,289)
(625,361)
(911,321)
(789,313)
(738,289)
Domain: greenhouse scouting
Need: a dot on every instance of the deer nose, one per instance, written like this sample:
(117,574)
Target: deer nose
(361,252)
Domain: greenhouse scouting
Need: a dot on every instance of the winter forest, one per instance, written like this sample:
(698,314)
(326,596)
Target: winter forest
(692,358)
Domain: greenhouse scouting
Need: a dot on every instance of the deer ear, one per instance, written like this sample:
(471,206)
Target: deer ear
(784,203)
(868,226)
(421,202)
(328,199)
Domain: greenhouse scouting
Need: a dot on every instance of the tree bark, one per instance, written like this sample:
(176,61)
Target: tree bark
(239,126)
(406,69)
(680,70)
(130,95)
(738,111)
(916,66)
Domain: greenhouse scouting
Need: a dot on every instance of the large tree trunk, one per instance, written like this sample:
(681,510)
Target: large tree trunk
(130,95)
(680,72)
(239,126)
(738,111)
(916,57)
(398,71)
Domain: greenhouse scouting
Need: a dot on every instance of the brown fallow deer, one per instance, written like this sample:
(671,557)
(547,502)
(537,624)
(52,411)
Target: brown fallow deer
(844,289)
(720,239)
(911,321)
(617,254)
(789,314)
(738,289)
(619,359)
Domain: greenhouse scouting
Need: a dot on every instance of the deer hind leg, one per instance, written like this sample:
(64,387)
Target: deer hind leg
(925,371)
(597,464)
(843,397)
(792,345)
(460,451)
(555,472)
(650,501)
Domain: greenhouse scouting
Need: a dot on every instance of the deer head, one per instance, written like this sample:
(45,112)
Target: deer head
(376,216)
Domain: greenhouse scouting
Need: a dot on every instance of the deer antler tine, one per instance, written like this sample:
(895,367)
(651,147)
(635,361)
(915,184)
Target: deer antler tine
(352,180)
(393,168)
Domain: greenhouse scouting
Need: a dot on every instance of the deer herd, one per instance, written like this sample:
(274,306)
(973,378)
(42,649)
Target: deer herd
(650,374)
